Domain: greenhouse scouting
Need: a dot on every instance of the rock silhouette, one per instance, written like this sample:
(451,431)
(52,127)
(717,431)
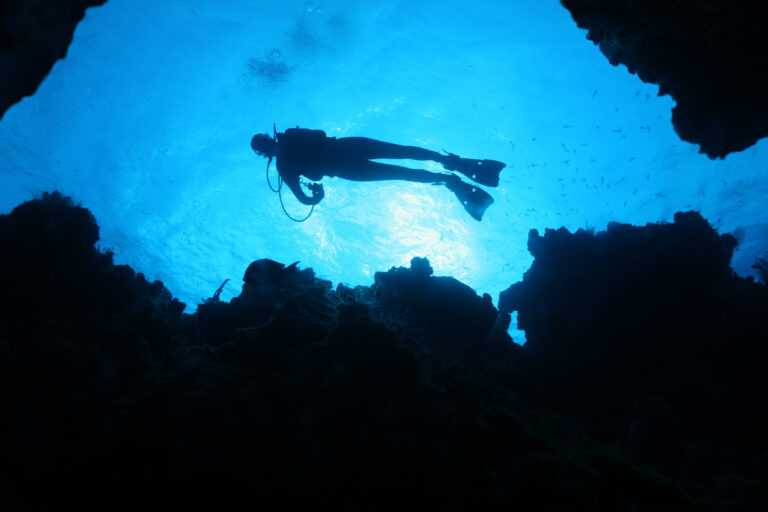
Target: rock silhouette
(639,387)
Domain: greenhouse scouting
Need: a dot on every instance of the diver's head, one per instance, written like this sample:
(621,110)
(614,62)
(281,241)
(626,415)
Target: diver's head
(264,145)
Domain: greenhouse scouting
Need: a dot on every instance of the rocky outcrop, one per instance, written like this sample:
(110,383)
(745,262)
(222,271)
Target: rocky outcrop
(646,332)
(706,54)
(34,34)
(409,387)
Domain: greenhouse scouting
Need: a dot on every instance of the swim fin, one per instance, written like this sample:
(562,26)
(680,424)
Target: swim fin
(484,172)
(475,200)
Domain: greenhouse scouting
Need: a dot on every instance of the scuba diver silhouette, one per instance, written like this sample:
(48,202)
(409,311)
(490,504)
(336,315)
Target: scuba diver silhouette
(312,154)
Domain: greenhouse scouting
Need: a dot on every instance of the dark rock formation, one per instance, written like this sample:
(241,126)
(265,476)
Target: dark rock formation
(707,54)
(409,388)
(451,309)
(34,34)
(646,334)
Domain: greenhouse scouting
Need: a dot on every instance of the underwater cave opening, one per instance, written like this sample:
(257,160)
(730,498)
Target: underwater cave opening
(147,123)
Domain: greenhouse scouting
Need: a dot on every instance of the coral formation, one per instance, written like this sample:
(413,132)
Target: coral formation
(34,34)
(616,316)
(705,54)
(761,266)
(627,395)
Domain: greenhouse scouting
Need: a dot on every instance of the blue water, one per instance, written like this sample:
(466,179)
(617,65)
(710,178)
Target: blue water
(147,122)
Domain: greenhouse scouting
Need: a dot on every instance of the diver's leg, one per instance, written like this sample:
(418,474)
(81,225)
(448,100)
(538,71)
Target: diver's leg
(366,170)
(363,148)
(485,172)
(474,200)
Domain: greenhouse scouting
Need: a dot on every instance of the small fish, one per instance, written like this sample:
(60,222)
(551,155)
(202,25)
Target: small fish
(566,126)
(564,148)
(616,131)
(632,159)
(637,93)
(634,192)
(647,177)
(566,162)
(594,93)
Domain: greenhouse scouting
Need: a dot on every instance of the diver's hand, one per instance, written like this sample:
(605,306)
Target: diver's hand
(317,191)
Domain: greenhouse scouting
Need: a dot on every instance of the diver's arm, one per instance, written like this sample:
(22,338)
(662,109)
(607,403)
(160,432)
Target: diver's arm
(295,186)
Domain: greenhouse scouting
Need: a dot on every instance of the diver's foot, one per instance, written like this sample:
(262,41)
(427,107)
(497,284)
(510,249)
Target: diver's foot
(475,200)
(484,172)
